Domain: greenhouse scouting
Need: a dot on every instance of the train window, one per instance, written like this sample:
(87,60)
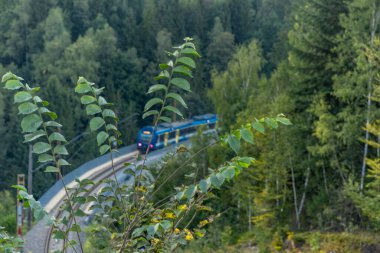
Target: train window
(171,135)
(183,131)
(211,126)
(162,137)
(145,137)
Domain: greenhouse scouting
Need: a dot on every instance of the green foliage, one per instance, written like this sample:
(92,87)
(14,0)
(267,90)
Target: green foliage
(9,244)
(232,88)
(40,127)
(173,74)
(38,122)
(7,212)
(104,120)
(128,217)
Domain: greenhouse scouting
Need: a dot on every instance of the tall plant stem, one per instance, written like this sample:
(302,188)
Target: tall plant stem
(69,200)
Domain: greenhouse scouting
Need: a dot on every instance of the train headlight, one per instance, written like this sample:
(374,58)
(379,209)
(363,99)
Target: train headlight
(151,146)
(139,144)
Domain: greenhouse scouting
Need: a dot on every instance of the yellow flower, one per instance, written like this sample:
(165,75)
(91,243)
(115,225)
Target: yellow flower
(176,231)
(155,241)
(182,207)
(290,236)
(189,236)
(203,223)
(169,215)
(155,220)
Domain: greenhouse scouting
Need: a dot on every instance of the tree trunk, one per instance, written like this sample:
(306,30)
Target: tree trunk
(375,18)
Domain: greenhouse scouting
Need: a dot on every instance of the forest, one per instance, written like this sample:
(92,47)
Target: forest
(315,184)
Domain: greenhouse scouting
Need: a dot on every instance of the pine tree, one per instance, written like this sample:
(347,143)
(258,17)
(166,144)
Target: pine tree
(232,88)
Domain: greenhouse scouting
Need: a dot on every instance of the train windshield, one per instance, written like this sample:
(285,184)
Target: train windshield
(146,136)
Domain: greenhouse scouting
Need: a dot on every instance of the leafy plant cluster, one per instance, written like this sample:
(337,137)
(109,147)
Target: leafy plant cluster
(9,244)
(126,214)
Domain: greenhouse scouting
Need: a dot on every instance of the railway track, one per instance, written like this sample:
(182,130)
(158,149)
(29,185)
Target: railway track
(106,172)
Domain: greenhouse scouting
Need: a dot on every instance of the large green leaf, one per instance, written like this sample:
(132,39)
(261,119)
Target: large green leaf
(258,126)
(44,110)
(156,87)
(92,109)
(101,137)
(96,123)
(33,136)
(52,124)
(138,231)
(86,99)
(217,180)
(163,75)
(111,127)
(152,102)
(60,150)
(272,123)
(102,101)
(43,158)
(63,162)
(178,98)
(81,79)
(204,185)
(283,120)
(103,149)
(13,85)
(166,225)
(165,119)
(57,137)
(190,51)
(181,83)
(245,162)
(51,169)
(7,76)
(108,113)
(190,191)
(22,96)
(187,61)
(183,70)
(41,147)
(152,229)
(99,91)
(150,113)
(31,123)
(37,99)
(247,135)
(27,108)
(173,109)
(229,172)
(83,87)
(234,143)
(189,44)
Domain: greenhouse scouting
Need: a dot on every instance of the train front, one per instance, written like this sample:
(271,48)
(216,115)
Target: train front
(145,138)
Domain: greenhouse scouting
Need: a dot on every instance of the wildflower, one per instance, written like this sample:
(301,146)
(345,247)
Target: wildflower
(169,215)
(203,223)
(155,241)
(182,207)
(189,236)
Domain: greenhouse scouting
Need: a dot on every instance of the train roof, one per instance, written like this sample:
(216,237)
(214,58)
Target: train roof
(196,120)
(205,116)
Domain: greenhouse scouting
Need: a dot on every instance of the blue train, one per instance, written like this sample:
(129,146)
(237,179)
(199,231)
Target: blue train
(175,132)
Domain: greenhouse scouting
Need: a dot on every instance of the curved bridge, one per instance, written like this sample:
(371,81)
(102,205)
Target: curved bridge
(37,240)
